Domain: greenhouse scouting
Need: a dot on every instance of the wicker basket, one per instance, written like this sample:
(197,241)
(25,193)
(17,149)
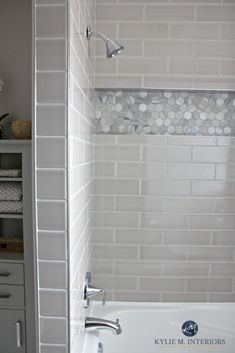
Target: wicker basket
(11,245)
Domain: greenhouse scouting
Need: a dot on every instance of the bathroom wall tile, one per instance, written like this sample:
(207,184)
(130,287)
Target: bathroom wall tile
(192,269)
(162,284)
(51,55)
(53,303)
(193,30)
(53,330)
(159,253)
(187,237)
(117,81)
(136,203)
(165,187)
(225,171)
(157,48)
(225,270)
(51,120)
(140,170)
(214,285)
(164,221)
(114,13)
(102,268)
(51,87)
(117,283)
(51,184)
(213,154)
(224,237)
(51,152)
(105,219)
(189,205)
(147,66)
(169,13)
(138,236)
(222,13)
(222,297)
(191,171)
(114,153)
(138,30)
(137,269)
(46,246)
(53,348)
(210,254)
(116,186)
(190,66)
(50,22)
(115,252)
(183,227)
(166,154)
(184,297)
(52,275)
(104,203)
(51,215)
(136,297)
(103,235)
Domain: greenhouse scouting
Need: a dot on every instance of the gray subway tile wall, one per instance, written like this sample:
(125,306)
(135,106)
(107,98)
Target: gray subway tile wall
(51,175)
(168,44)
(164,218)
(64,76)
(80,161)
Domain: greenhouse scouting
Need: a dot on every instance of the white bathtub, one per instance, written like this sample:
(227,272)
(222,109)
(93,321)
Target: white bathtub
(157,327)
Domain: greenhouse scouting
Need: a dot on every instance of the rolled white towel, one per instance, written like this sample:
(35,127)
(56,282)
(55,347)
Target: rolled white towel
(10,191)
(11,207)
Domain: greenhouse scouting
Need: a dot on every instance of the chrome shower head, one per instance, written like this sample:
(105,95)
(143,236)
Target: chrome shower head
(113,48)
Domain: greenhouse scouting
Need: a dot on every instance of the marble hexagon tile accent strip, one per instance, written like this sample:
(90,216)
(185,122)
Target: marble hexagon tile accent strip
(154,112)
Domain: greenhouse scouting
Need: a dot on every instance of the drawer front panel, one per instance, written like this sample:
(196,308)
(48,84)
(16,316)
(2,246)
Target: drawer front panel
(11,296)
(11,273)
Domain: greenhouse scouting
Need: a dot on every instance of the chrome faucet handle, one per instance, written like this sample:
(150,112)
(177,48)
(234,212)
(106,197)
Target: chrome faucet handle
(90,291)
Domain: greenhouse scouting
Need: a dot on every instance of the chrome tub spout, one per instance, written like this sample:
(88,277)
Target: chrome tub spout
(101,324)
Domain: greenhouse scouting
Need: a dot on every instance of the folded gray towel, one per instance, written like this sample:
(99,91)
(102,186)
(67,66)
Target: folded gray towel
(10,173)
(10,191)
(11,207)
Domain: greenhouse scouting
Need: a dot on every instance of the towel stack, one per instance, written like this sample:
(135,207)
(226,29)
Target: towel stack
(10,192)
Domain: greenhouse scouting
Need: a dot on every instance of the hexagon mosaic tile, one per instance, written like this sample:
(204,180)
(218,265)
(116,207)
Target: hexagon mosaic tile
(154,112)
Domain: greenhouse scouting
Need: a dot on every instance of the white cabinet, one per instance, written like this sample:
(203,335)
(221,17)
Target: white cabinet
(12,331)
(17,309)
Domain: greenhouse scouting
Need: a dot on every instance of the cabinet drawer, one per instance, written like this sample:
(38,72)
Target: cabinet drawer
(11,273)
(11,296)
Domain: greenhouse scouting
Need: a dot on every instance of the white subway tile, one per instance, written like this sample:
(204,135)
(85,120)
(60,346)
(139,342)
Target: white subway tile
(191,66)
(165,187)
(187,237)
(210,254)
(189,205)
(51,55)
(140,170)
(166,48)
(159,220)
(51,87)
(221,269)
(51,120)
(51,215)
(189,140)
(51,184)
(115,252)
(115,219)
(166,154)
(104,169)
(210,284)
(213,221)
(53,303)
(213,188)
(137,203)
(53,330)
(52,275)
(169,13)
(194,30)
(116,186)
(50,21)
(103,235)
(191,171)
(184,297)
(162,284)
(160,253)
(225,171)
(117,81)
(115,13)
(144,30)
(146,66)
(137,269)
(216,13)
(51,152)
(117,153)
(185,269)
(224,237)
(138,236)
(46,246)
(117,282)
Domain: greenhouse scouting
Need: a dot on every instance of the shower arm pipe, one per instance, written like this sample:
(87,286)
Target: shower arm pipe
(90,34)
